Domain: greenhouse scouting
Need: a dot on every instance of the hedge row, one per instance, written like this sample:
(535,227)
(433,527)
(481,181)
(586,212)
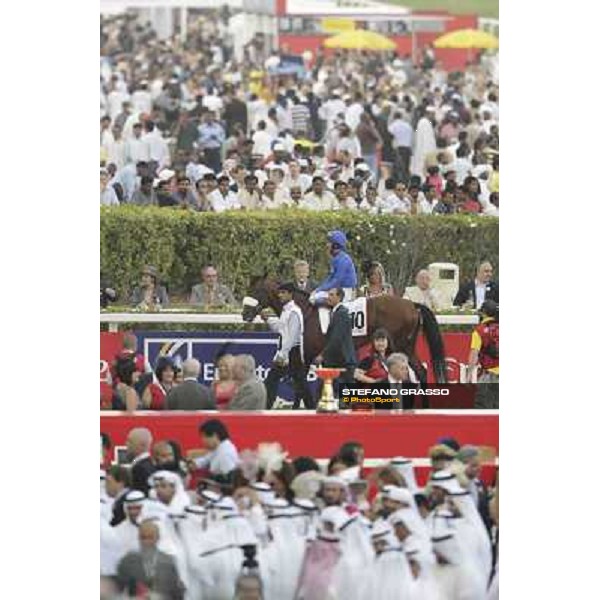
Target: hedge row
(243,244)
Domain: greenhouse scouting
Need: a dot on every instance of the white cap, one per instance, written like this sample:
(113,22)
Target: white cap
(334,480)
(362,167)
(445,480)
(166,175)
(134,497)
(225,503)
(210,495)
(397,494)
(278,147)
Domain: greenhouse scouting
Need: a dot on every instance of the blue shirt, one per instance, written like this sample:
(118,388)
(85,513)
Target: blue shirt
(342,273)
(211,135)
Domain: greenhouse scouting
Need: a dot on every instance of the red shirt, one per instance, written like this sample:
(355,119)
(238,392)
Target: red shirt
(471,206)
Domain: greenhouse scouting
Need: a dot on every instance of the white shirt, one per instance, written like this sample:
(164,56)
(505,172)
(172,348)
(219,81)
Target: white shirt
(303,181)
(393,204)
(115,103)
(353,115)
(402,133)
(425,207)
(157,148)
(479,294)
(325,202)
(220,461)
(137,150)
(222,203)
(141,100)
(262,142)
(213,103)
(108,197)
(116,153)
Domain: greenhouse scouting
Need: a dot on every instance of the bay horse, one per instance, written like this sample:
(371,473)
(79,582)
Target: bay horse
(401,318)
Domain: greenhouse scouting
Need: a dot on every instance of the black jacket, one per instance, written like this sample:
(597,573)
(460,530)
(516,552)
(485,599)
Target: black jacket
(339,349)
(466,293)
(190,395)
(140,472)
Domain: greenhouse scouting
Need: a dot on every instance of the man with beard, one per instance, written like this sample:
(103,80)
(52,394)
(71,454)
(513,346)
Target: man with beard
(139,441)
(333,491)
(149,568)
(127,531)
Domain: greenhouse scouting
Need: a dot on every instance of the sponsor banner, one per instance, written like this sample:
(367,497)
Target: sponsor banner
(383,435)
(207,346)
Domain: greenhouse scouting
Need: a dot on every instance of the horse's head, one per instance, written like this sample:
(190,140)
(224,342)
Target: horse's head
(263,294)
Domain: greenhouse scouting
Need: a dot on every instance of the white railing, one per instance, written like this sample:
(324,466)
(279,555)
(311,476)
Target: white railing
(114,319)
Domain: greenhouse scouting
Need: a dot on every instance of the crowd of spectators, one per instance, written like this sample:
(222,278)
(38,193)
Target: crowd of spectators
(260,524)
(150,294)
(187,125)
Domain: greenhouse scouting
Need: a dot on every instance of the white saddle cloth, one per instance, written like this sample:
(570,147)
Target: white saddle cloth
(358,313)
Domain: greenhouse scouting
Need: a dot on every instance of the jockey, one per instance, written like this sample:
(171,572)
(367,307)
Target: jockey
(342,271)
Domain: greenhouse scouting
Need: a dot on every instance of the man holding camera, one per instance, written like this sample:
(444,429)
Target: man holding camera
(289,358)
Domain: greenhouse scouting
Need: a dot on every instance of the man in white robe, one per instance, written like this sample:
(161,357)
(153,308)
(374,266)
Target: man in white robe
(220,563)
(281,560)
(424,143)
(404,466)
(127,531)
(456,575)
(391,574)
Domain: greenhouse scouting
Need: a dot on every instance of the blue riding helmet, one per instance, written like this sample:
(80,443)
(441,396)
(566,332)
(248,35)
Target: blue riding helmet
(337,237)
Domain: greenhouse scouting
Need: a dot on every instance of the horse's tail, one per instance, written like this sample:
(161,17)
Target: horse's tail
(434,341)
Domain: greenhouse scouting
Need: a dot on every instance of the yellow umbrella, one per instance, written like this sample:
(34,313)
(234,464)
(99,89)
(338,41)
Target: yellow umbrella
(467,39)
(359,39)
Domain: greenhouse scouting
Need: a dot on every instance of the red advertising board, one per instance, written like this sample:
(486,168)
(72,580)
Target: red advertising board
(382,435)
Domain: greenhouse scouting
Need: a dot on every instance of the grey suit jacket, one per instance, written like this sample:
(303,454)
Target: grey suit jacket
(251,395)
(166,582)
(190,395)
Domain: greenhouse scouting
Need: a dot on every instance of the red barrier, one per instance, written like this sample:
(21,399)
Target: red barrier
(382,435)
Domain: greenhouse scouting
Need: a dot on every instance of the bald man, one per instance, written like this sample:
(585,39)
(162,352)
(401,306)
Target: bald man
(150,567)
(423,293)
(139,441)
(475,291)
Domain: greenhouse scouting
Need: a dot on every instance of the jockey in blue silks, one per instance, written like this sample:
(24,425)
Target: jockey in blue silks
(342,272)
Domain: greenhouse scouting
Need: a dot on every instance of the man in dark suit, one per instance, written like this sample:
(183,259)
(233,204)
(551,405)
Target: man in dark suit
(339,349)
(118,482)
(190,395)
(150,568)
(251,393)
(479,289)
(302,279)
(139,442)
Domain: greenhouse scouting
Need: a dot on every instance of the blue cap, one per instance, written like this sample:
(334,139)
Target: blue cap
(337,237)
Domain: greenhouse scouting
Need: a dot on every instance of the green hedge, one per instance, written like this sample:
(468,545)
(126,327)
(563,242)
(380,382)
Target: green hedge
(242,244)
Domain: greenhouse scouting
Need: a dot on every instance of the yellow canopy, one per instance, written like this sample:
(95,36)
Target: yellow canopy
(467,38)
(359,39)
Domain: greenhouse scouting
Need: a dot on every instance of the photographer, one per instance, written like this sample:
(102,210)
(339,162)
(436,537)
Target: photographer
(485,351)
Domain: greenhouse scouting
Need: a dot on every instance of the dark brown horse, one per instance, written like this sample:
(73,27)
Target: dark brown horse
(401,318)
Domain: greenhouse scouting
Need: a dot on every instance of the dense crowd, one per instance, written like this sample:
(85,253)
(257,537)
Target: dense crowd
(188,125)
(261,525)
